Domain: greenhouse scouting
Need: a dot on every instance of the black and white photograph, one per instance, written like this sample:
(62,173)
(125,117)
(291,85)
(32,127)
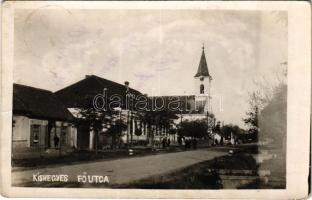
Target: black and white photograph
(154,98)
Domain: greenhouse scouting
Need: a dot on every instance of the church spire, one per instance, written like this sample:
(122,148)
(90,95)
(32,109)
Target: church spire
(202,70)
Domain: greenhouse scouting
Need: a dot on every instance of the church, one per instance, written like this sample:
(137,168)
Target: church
(192,107)
(198,105)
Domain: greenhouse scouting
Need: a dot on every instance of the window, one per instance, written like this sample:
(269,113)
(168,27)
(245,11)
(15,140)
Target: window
(34,135)
(202,89)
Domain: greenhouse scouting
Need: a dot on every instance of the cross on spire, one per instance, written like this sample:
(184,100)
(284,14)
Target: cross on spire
(202,70)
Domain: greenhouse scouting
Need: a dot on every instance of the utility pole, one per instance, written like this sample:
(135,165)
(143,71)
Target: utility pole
(128,127)
(128,111)
(129,96)
(181,118)
(131,127)
(208,121)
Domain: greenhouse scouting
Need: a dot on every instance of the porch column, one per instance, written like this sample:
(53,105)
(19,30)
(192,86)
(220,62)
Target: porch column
(133,130)
(133,126)
(91,141)
(73,136)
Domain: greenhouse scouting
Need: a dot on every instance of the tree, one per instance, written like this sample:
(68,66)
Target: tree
(115,131)
(252,115)
(229,130)
(196,128)
(172,131)
(217,128)
(94,118)
(162,118)
(273,119)
(267,114)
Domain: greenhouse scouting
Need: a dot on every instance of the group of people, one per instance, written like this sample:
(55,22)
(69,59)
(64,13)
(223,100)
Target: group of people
(187,143)
(165,142)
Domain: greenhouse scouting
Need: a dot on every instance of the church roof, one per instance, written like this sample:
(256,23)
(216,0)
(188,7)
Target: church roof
(203,67)
(184,104)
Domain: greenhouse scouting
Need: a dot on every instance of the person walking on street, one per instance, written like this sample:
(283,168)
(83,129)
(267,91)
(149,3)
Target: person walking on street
(56,141)
(180,141)
(164,141)
(194,143)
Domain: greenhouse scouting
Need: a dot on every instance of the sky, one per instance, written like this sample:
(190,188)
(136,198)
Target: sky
(157,51)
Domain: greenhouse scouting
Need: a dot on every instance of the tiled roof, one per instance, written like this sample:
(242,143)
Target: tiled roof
(38,103)
(90,86)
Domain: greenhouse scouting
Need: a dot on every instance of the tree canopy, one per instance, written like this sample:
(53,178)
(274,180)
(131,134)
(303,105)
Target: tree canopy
(196,128)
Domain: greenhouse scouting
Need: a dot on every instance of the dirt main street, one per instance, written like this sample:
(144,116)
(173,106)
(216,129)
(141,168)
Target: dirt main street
(119,171)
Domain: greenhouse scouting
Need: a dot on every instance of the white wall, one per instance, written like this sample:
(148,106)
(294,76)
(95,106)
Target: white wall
(21,132)
(197,84)
(189,117)
(202,99)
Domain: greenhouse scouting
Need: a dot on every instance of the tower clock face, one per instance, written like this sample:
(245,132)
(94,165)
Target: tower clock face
(201,78)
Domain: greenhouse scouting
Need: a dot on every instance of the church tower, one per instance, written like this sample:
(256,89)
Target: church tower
(202,85)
